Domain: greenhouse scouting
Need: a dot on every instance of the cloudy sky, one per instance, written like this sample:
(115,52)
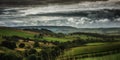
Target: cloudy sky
(85,14)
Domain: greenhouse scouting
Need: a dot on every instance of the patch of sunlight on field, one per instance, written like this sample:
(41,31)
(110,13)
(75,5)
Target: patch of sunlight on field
(20,49)
(83,37)
(90,44)
(38,49)
(55,39)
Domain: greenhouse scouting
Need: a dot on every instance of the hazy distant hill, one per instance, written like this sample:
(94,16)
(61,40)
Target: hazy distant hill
(69,29)
(102,30)
(64,29)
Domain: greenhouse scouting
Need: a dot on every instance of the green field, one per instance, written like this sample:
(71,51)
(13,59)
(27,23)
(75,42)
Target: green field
(95,44)
(55,39)
(108,57)
(92,48)
(27,34)
(14,32)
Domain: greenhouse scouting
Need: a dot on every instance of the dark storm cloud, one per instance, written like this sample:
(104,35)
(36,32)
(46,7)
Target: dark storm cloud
(41,2)
(98,14)
(78,13)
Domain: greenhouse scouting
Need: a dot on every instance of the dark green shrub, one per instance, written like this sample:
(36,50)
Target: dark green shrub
(32,51)
(36,44)
(10,56)
(8,44)
(32,57)
(21,45)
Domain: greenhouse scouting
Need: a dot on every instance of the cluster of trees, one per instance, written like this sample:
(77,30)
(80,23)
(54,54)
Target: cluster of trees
(47,53)
(15,38)
(31,54)
(10,56)
(8,44)
(98,37)
(95,35)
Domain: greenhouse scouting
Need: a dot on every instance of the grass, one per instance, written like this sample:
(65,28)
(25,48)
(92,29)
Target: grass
(4,49)
(107,57)
(1,39)
(83,37)
(55,39)
(95,44)
(13,32)
(88,48)
(26,34)
(20,49)
(38,49)
(91,49)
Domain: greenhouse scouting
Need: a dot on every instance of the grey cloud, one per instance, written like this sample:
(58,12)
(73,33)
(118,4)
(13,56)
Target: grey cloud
(41,2)
(81,15)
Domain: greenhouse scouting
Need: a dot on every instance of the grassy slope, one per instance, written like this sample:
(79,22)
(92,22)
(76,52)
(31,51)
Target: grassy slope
(1,39)
(73,51)
(56,39)
(108,57)
(12,32)
(26,34)
(89,48)
(83,37)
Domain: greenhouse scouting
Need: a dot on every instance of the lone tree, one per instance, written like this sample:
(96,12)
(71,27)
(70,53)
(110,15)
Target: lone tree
(40,36)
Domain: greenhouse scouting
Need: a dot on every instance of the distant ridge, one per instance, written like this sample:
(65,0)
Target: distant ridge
(56,29)
(69,29)
(46,27)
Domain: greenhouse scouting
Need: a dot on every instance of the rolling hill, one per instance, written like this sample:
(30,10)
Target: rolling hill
(69,29)
(6,31)
(77,44)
